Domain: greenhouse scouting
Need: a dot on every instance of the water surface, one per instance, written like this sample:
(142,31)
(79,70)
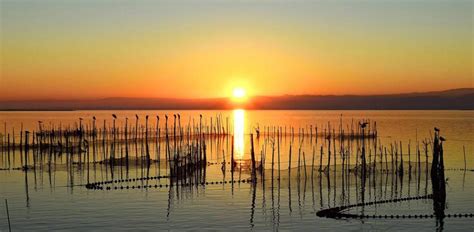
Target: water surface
(53,196)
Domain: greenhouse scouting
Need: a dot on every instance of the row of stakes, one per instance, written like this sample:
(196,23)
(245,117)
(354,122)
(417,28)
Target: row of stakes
(381,202)
(21,168)
(414,216)
(458,169)
(98,185)
(335,212)
(216,163)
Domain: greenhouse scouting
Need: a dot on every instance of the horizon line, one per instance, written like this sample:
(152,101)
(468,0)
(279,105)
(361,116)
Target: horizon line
(254,96)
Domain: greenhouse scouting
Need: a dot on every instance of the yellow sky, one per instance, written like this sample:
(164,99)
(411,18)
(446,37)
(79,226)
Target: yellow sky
(94,49)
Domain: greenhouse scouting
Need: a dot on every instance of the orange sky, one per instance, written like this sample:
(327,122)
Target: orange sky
(98,49)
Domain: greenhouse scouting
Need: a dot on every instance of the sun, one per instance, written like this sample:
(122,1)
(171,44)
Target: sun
(239,94)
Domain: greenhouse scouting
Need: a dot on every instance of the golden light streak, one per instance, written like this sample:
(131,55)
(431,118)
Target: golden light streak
(239,125)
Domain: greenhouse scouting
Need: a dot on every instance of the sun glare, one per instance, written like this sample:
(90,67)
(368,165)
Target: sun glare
(239,93)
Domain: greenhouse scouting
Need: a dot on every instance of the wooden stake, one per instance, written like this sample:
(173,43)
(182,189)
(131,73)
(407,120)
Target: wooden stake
(252,153)
(464,150)
(8,216)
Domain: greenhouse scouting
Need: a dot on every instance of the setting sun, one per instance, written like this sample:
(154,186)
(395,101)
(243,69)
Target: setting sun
(239,93)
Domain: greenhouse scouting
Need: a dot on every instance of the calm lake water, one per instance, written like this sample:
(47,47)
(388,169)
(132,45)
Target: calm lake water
(53,196)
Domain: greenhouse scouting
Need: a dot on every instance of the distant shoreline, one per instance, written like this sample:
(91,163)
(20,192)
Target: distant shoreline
(455,99)
(27,110)
(196,109)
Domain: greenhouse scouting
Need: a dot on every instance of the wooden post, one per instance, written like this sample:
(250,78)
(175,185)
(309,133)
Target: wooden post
(8,216)
(8,142)
(312,163)
(21,136)
(27,135)
(232,156)
(401,158)
(464,150)
(278,149)
(254,176)
(136,127)
(321,159)
(289,162)
(13,138)
(409,158)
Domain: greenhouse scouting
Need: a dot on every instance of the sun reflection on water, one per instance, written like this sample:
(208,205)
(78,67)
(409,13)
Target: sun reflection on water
(239,125)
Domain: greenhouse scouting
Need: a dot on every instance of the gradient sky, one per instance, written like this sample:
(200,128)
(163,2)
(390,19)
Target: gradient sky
(108,48)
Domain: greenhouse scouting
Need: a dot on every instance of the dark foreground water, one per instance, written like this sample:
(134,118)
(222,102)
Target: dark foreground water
(53,196)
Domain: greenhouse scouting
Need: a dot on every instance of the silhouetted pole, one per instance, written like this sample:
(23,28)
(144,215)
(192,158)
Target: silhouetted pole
(464,150)
(136,127)
(112,156)
(21,136)
(252,153)
(157,127)
(146,128)
(232,157)
(27,145)
(146,141)
(126,143)
(80,131)
(289,162)
(167,139)
(94,130)
(8,215)
(174,135)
